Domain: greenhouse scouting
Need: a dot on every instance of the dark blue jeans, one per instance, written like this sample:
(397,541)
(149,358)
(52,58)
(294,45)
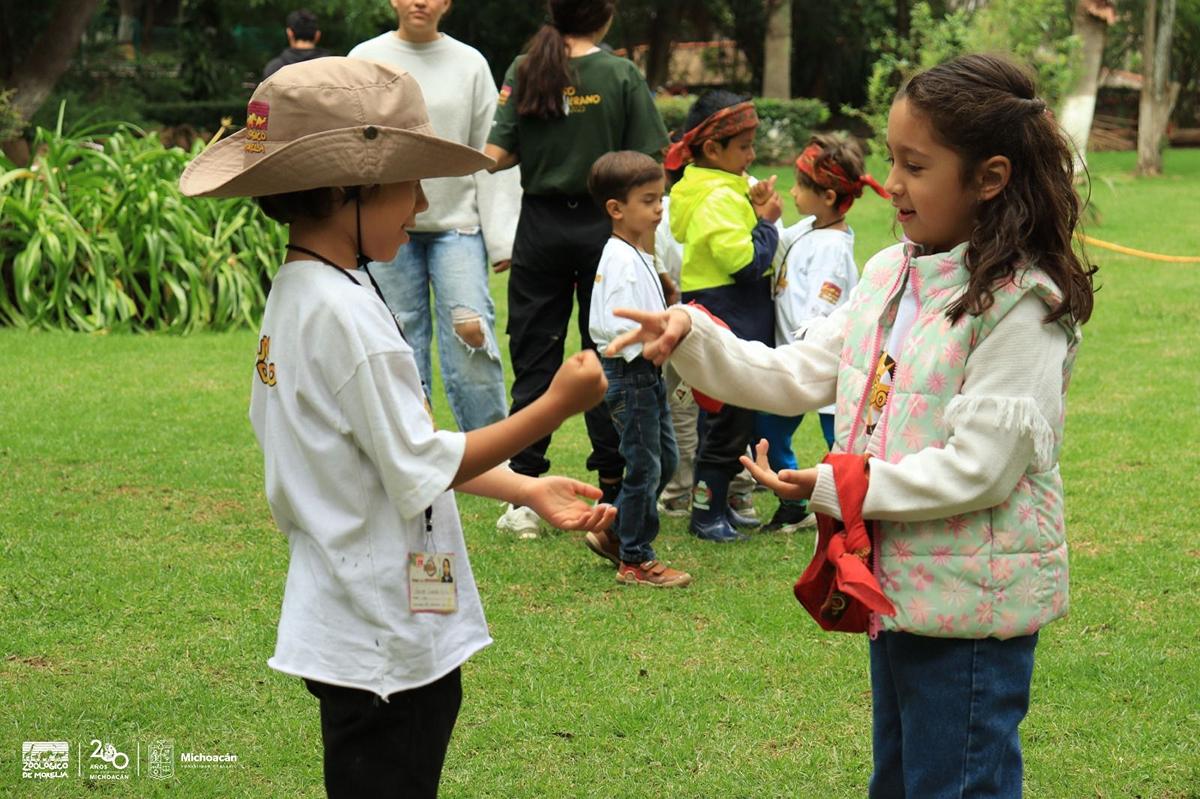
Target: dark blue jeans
(637,399)
(946,712)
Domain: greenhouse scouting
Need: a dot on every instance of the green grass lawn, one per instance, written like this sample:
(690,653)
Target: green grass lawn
(141,574)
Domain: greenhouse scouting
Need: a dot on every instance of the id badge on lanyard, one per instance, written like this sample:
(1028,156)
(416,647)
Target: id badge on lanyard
(432,576)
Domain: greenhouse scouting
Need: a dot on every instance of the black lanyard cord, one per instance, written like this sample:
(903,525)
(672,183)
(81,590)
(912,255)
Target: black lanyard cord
(649,268)
(348,276)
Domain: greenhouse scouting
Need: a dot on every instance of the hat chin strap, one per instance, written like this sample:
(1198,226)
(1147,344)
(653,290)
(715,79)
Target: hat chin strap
(360,256)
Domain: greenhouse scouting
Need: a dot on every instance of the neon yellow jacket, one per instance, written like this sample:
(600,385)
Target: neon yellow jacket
(727,250)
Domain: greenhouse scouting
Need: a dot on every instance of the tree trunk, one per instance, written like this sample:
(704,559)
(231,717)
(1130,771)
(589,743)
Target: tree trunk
(148,25)
(1079,105)
(777,50)
(903,18)
(126,25)
(51,55)
(1158,94)
(658,45)
(127,21)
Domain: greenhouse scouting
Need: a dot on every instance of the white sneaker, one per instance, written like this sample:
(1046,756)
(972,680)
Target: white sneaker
(520,521)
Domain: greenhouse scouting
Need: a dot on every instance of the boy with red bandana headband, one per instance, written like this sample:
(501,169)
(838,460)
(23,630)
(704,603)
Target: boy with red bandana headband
(729,239)
(813,276)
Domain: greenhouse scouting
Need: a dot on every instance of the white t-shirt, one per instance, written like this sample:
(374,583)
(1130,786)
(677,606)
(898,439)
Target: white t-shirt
(816,276)
(625,278)
(352,461)
(460,95)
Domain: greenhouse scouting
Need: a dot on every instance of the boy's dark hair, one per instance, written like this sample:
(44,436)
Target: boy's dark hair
(985,105)
(310,203)
(303,24)
(545,71)
(837,148)
(615,175)
(705,106)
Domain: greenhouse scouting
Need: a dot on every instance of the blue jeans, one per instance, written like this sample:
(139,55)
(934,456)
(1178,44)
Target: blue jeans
(778,431)
(637,398)
(455,265)
(945,713)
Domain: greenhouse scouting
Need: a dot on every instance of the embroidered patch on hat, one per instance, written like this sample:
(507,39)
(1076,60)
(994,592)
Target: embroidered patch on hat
(256,126)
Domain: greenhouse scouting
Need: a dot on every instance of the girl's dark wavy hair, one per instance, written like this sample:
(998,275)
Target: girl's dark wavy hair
(985,105)
(545,72)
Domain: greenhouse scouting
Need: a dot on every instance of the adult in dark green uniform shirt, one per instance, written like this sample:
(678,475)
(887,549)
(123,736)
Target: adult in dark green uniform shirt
(563,104)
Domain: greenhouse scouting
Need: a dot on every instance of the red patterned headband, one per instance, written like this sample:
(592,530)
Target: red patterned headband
(729,121)
(831,176)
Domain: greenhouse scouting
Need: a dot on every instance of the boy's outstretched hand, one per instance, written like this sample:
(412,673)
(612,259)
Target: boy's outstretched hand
(761,192)
(659,334)
(560,501)
(788,484)
(765,200)
(579,384)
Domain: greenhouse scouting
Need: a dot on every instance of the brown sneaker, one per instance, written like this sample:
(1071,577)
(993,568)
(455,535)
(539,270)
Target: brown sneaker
(652,572)
(604,544)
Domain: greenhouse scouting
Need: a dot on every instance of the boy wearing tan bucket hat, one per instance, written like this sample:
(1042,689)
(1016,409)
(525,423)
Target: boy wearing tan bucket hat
(380,607)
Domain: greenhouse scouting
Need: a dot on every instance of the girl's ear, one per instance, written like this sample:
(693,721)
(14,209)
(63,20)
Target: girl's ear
(613,208)
(711,149)
(992,176)
(829,197)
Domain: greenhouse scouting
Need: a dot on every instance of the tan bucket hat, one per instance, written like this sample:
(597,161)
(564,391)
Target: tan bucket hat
(329,122)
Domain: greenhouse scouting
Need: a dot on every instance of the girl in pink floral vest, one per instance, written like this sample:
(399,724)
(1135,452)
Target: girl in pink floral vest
(949,367)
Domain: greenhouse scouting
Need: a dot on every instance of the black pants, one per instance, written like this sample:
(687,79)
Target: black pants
(724,438)
(394,749)
(555,254)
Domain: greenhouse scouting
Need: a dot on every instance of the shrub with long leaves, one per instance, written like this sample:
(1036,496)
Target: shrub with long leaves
(95,235)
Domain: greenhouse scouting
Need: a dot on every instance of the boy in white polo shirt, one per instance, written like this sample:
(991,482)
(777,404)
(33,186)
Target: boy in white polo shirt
(629,186)
(380,607)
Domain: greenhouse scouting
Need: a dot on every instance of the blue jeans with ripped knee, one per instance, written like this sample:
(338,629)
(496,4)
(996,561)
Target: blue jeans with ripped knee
(455,265)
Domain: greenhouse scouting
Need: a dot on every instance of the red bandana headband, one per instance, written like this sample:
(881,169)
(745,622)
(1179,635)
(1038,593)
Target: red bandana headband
(831,176)
(729,121)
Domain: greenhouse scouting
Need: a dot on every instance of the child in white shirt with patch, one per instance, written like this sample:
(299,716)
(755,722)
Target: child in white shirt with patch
(380,607)
(814,273)
(629,185)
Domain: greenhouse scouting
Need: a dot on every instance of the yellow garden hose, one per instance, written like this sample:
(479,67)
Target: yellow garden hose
(1153,256)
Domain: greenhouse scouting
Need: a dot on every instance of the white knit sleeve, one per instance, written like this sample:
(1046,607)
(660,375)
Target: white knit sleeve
(999,426)
(789,380)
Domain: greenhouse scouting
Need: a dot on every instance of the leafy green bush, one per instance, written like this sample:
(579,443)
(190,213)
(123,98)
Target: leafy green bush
(1033,32)
(11,123)
(96,236)
(784,125)
(201,114)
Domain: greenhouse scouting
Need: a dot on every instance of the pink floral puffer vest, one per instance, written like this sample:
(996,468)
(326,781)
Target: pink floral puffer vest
(998,572)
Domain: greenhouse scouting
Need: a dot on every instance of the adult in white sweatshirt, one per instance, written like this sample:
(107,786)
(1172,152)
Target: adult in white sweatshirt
(470,222)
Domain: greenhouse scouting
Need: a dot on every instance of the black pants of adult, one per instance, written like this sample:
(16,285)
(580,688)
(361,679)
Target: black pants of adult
(394,748)
(724,437)
(557,247)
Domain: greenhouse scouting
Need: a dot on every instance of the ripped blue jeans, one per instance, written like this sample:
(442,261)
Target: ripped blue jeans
(455,265)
